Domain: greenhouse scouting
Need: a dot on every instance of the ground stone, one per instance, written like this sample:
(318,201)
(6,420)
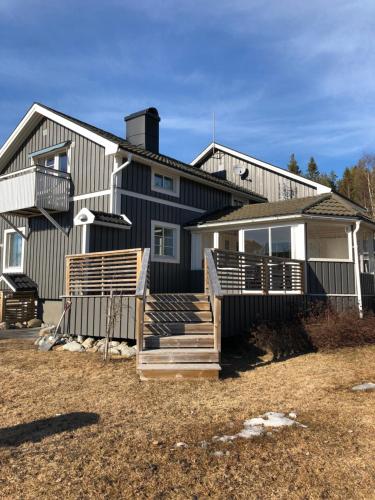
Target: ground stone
(127,352)
(88,343)
(34,323)
(19,325)
(114,343)
(73,347)
(4,325)
(368,386)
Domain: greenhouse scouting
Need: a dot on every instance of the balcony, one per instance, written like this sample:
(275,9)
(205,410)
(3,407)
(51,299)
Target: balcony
(27,191)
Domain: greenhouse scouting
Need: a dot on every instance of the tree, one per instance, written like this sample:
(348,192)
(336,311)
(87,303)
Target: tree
(312,170)
(329,180)
(293,165)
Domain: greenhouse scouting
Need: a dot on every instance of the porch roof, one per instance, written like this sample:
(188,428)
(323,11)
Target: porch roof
(19,282)
(328,204)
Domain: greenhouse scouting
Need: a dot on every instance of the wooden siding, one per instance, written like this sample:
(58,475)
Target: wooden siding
(330,278)
(265,182)
(88,317)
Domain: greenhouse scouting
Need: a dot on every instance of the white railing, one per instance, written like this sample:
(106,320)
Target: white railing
(34,187)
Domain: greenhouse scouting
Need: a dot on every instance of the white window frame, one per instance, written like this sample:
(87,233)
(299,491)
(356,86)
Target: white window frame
(176,242)
(6,268)
(294,236)
(41,160)
(322,259)
(176,182)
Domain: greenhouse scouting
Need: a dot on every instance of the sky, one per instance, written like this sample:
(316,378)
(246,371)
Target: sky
(282,77)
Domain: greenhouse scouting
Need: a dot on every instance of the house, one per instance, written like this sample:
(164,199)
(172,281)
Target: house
(189,253)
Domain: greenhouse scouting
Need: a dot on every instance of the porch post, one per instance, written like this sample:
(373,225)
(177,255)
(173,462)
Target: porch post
(216,239)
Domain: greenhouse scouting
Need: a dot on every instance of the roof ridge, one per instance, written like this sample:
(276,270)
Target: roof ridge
(314,202)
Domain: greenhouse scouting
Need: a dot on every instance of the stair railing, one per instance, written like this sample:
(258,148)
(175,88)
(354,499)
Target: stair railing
(143,268)
(213,289)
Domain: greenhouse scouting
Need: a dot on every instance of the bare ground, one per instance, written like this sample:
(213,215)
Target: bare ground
(107,435)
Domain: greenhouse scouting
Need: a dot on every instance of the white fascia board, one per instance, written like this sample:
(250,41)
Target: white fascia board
(241,223)
(31,119)
(3,278)
(319,187)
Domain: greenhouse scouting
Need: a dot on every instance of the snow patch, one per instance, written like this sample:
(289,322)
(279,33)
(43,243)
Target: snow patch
(257,426)
(367,386)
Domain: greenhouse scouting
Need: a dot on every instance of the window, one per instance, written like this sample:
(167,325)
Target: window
(328,242)
(57,162)
(165,242)
(164,183)
(275,241)
(13,251)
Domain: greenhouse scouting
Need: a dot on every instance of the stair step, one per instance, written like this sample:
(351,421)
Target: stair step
(178,306)
(174,341)
(177,316)
(178,371)
(178,328)
(177,297)
(181,355)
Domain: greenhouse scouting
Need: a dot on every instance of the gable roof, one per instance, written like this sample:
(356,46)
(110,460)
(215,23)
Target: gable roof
(214,146)
(330,205)
(88,216)
(112,144)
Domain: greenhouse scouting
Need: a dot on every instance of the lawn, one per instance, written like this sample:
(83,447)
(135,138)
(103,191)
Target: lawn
(108,435)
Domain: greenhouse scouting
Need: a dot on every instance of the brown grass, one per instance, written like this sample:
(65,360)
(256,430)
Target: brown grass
(116,458)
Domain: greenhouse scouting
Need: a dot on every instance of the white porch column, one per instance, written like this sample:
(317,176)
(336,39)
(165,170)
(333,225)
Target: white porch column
(216,239)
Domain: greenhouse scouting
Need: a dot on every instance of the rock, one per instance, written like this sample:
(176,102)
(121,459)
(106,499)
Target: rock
(92,349)
(46,331)
(292,414)
(80,339)
(88,343)
(4,325)
(19,325)
(73,347)
(59,348)
(100,342)
(114,343)
(181,445)
(368,386)
(111,350)
(34,323)
(127,352)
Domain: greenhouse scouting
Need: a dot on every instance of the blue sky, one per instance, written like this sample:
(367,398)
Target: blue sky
(281,76)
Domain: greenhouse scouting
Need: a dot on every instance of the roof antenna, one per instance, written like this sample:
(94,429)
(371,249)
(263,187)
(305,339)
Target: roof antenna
(213,130)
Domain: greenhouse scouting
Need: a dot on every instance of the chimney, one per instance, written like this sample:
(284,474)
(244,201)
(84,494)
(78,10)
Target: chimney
(142,129)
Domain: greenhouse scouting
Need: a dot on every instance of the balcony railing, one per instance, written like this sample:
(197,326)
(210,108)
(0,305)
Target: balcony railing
(240,273)
(24,191)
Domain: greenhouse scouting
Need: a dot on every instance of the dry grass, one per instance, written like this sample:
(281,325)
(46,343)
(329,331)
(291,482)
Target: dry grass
(116,458)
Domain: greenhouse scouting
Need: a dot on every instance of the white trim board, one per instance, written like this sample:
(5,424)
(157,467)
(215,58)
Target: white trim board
(19,269)
(176,240)
(249,159)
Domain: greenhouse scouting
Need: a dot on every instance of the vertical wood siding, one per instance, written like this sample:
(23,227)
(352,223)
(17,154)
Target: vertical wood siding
(263,181)
(330,278)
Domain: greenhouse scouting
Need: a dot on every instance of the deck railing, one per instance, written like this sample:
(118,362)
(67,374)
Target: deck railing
(239,273)
(34,187)
(103,273)
(213,289)
(143,286)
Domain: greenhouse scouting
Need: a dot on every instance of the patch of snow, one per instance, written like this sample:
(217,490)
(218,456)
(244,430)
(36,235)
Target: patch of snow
(368,386)
(181,445)
(292,414)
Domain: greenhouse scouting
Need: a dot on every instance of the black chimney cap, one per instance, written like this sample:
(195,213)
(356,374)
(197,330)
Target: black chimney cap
(148,111)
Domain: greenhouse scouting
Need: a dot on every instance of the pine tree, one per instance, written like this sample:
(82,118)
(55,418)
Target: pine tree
(293,165)
(312,170)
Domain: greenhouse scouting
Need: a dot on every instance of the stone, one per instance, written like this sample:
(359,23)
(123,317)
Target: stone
(59,348)
(46,331)
(88,343)
(92,349)
(127,352)
(80,339)
(34,323)
(19,325)
(181,445)
(73,347)
(114,343)
(111,350)
(367,386)
(4,325)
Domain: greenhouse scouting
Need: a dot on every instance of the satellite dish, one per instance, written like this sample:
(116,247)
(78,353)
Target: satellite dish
(241,171)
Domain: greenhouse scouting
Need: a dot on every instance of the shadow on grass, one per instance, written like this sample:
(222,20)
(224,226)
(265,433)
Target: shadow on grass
(39,429)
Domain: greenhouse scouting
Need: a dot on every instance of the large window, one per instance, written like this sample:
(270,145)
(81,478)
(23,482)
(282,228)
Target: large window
(165,183)
(165,242)
(328,242)
(13,251)
(275,241)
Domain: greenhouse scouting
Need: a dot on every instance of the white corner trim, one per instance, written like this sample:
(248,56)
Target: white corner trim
(165,173)
(249,159)
(85,238)
(176,241)
(20,268)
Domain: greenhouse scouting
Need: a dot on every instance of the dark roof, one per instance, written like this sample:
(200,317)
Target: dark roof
(20,282)
(110,218)
(165,160)
(329,204)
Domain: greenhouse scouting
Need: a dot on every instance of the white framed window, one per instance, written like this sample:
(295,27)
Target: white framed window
(165,242)
(164,182)
(56,161)
(13,251)
(329,242)
(272,241)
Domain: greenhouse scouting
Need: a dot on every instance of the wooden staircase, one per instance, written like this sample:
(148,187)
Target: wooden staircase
(178,338)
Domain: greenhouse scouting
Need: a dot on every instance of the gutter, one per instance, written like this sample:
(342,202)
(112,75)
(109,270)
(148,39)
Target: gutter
(114,174)
(357,272)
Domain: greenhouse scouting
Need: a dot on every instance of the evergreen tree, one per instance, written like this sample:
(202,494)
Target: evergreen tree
(312,170)
(293,165)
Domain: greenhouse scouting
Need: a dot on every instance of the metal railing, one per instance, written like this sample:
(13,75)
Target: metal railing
(35,187)
(239,272)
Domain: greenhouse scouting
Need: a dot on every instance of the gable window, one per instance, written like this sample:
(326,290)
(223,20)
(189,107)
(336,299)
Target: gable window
(57,162)
(165,183)
(165,242)
(14,246)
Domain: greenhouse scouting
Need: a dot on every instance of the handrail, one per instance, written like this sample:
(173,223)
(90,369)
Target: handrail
(215,293)
(36,168)
(140,295)
(212,273)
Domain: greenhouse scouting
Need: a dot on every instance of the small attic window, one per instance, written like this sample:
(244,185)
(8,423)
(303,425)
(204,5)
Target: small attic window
(55,157)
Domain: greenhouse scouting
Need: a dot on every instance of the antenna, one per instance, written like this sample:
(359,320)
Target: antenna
(213,132)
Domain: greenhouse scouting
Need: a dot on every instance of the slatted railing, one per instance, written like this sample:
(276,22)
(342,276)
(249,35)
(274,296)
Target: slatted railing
(17,308)
(239,272)
(103,273)
(213,289)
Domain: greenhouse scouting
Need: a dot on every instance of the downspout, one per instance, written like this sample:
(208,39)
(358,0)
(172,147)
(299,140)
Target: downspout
(357,271)
(114,182)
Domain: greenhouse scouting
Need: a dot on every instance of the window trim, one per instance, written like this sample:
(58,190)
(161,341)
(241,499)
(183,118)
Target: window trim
(241,239)
(18,269)
(176,182)
(176,241)
(39,159)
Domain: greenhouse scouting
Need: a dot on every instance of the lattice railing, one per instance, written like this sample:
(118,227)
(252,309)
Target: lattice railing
(103,273)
